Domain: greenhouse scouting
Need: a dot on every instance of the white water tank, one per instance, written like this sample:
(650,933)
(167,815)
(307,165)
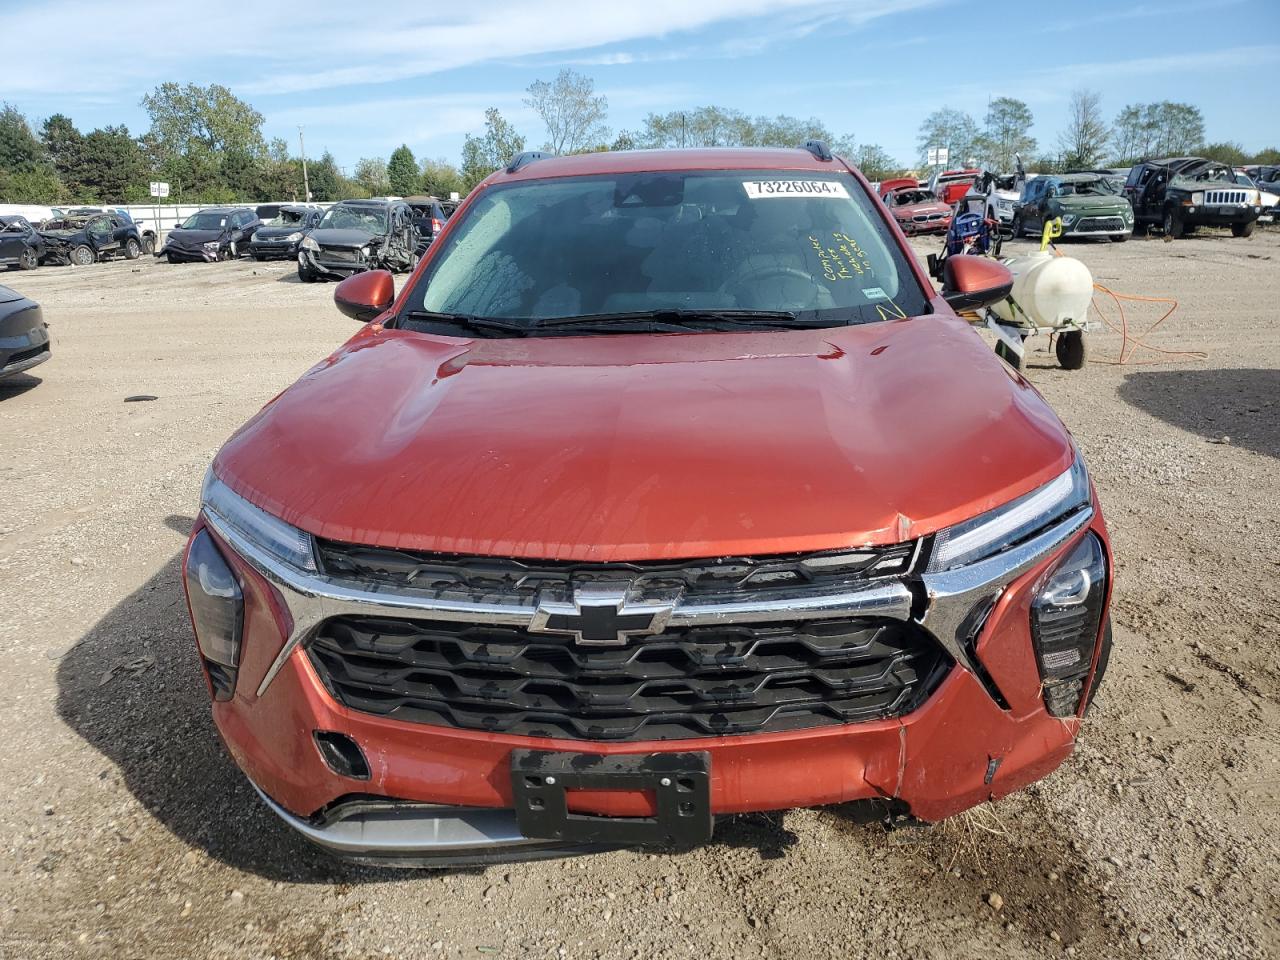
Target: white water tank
(1052,291)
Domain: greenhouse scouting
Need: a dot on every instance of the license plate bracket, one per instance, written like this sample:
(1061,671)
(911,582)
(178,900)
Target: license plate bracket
(680,783)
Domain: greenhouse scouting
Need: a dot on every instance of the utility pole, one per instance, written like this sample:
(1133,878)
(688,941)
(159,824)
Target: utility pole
(306,184)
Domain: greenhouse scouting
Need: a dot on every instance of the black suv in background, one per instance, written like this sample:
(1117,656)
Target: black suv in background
(1181,193)
(429,215)
(82,239)
(20,245)
(214,233)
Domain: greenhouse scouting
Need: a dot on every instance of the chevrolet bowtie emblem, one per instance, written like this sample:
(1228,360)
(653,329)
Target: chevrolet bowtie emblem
(600,615)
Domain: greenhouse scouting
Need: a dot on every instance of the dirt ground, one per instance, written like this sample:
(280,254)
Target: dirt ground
(126,832)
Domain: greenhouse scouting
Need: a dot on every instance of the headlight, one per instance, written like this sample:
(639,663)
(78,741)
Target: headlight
(365,251)
(269,534)
(1065,616)
(1197,198)
(1004,204)
(211,245)
(293,237)
(1001,528)
(1068,219)
(308,243)
(217,612)
(255,235)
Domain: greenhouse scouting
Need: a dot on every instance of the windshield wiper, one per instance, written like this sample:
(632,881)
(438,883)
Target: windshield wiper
(485,326)
(682,318)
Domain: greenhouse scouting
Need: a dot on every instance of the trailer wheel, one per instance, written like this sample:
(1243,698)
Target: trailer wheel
(83,255)
(1018,363)
(1243,229)
(1072,350)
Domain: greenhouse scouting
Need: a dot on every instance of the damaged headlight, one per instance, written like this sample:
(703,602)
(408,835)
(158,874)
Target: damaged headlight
(294,237)
(211,246)
(366,251)
(1001,528)
(309,243)
(269,534)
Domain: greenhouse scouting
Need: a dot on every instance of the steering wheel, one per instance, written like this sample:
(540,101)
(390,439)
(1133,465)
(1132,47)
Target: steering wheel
(750,277)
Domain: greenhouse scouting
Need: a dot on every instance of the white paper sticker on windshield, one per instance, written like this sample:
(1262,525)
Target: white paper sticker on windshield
(874,293)
(765,189)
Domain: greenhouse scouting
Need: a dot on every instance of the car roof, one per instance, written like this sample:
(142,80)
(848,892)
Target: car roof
(669,161)
(367,203)
(223,209)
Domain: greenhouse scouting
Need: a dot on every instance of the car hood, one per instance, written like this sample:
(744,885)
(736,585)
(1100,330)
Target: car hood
(192,238)
(637,447)
(333,237)
(912,209)
(1080,204)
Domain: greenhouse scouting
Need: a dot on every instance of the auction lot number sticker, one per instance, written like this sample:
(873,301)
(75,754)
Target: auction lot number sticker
(766,189)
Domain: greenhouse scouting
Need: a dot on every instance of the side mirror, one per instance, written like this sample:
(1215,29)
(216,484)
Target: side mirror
(363,296)
(970,282)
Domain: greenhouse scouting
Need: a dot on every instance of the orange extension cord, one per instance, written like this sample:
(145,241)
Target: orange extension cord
(1130,343)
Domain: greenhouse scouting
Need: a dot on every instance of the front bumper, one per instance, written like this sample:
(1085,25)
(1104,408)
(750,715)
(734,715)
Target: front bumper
(188,255)
(24,351)
(1098,225)
(324,262)
(268,250)
(441,795)
(1210,216)
(914,228)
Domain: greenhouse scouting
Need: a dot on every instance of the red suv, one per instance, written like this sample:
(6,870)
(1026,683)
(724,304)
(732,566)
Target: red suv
(667,488)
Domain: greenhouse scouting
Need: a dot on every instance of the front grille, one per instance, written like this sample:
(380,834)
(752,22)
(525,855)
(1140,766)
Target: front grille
(340,255)
(692,682)
(1226,196)
(928,217)
(21,356)
(1101,224)
(520,581)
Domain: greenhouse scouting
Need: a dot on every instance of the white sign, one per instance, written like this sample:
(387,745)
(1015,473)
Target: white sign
(939,156)
(159,188)
(765,189)
(454,195)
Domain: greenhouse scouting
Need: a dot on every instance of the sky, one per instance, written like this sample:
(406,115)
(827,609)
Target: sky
(423,73)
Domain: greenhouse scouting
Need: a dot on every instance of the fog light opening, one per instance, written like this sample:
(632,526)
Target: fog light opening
(342,754)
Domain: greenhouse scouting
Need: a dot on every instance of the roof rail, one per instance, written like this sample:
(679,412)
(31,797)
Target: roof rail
(527,157)
(818,148)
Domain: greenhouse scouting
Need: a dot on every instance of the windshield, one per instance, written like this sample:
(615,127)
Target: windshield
(368,219)
(1087,188)
(905,198)
(804,244)
(16,224)
(286,218)
(204,221)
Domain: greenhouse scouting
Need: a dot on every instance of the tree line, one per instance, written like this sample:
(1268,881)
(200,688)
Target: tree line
(1089,140)
(208,144)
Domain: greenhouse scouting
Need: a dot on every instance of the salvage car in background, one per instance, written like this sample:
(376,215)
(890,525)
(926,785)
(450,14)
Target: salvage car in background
(1179,194)
(915,208)
(357,235)
(145,234)
(1268,195)
(1001,194)
(82,239)
(650,500)
(279,237)
(215,233)
(950,185)
(1088,204)
(21,245)
(429,215)
(24,336)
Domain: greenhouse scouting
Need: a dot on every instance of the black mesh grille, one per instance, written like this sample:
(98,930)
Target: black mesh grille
(692,682)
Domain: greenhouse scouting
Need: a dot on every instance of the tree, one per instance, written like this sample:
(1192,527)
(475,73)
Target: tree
(440,178)
(111,162)
(1152,130)
(402,172)
(713,126)
(873,161)
(483,155)
(953,129)
(1084,142)
(371,173)
(574,116)
(64,145)
(1228,152)
(20,151)
(1006,132)
(213,117)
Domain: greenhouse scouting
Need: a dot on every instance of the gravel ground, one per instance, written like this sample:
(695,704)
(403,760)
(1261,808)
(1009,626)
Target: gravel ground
(128,833)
